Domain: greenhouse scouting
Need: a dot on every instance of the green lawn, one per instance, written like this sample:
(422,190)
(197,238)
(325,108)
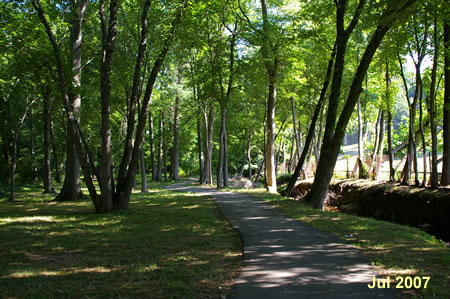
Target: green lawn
(168,245)
(396,250)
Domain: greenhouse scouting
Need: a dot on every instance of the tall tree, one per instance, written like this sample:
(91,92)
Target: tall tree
(445,180)
(73,123)
(272,63)
(71,189)
(331,144)
(15,136)
(47,169)
(109,31)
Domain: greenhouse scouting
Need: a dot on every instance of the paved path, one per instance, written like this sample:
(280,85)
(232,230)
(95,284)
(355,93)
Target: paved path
(284,258)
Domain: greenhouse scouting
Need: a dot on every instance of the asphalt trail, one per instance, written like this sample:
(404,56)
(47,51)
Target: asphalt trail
(284,258)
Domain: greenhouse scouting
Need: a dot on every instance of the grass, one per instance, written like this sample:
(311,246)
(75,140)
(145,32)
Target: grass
(396,250)
(168,245)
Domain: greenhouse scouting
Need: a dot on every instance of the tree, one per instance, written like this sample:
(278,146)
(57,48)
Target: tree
(445,180)
(71,189)
(335,133)
(15,136)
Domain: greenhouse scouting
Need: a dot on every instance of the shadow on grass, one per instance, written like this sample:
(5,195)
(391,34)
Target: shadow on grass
(166,245)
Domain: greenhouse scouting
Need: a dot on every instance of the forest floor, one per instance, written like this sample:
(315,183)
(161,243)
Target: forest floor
(167,245)
(395,250)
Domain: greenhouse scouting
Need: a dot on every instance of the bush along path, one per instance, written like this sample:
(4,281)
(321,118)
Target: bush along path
(284,258)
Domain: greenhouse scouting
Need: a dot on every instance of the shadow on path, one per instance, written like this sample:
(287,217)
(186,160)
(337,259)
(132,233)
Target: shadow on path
(284,258)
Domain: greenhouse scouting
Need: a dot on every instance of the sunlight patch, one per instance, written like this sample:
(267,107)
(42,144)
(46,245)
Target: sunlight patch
(191,207)
(29,219)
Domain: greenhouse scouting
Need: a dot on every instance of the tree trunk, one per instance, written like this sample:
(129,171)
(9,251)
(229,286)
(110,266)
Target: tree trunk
(422,134)
(360,159)
(160,148)
(312,126)
(412,112)
(330,148)
(445,179)
(14,151)
(376,142)
(209,121)
(271,64)
(164,153)
(225,153)
(249,156)
(133,99)
(32,147)
(389,124)
(71,189)
(55,154)
(256,181)
(73,126)
(144,188)
(221,162)
(391,153)
(432,109)
(152,145)
(13,169)
(123,192)
(175,150)
(379,153)
(47,168)
(330,144)
(295,128)
(200,148)
(108,36)
(270,146)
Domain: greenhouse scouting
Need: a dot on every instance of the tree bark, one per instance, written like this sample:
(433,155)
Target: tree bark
(160,148)
(56,162)
(131,116)
(330,149)
(209,122)
(295,128)
(391,152)
(379,153)
(249,156)
(164,153)
(47,176)
(32,146)
(389,125)
(432,109)
(175,149)
(271,63)
(152,145)
(376,142)
(221,147)
(123,190)
(73,124)
(445,179)
(14,151)
(200,148)
(422,134)
(71,189)
(144,188)
(312,126)
(109,32)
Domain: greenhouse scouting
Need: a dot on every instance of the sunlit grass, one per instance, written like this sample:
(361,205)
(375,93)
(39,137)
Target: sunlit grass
(397,250)
(167,245)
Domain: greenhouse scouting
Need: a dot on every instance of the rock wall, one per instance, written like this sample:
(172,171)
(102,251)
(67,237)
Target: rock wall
(420,207)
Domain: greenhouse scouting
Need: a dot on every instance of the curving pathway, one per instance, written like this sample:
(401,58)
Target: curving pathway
(284,258)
